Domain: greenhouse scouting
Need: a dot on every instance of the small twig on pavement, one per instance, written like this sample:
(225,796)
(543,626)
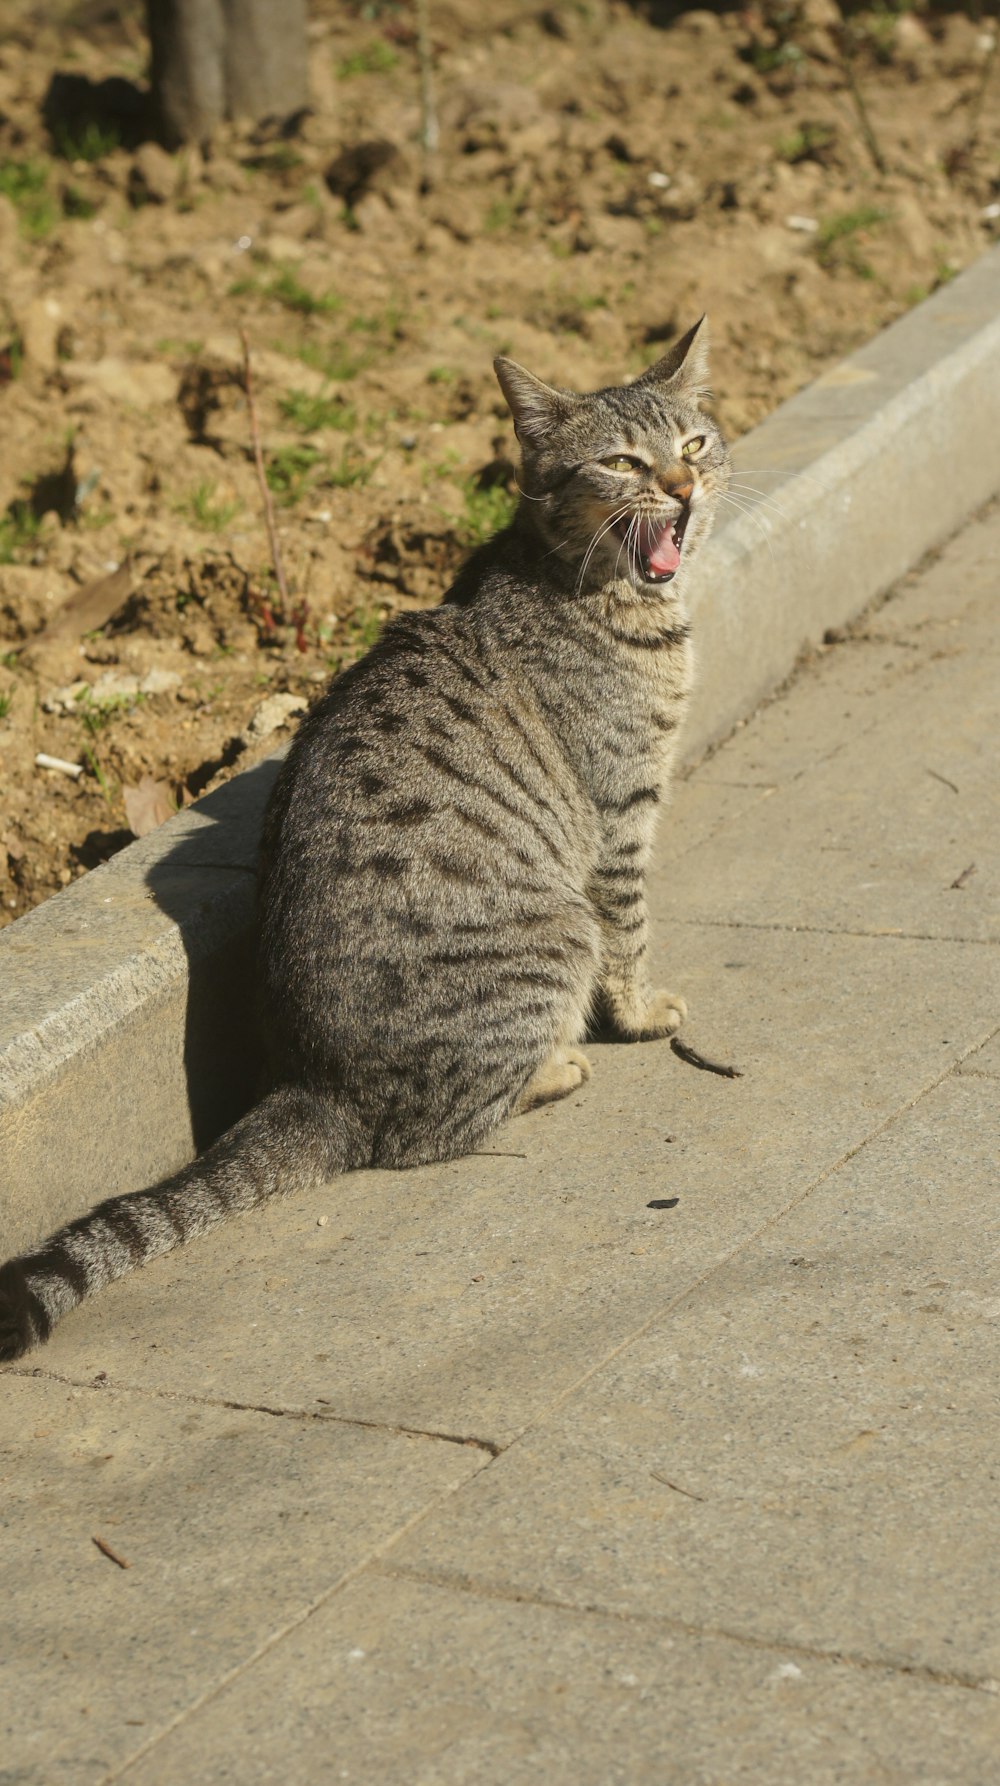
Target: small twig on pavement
(265,491)
(106,1551)
(943,779)
(960,879)
(678,1490)
(684,1051)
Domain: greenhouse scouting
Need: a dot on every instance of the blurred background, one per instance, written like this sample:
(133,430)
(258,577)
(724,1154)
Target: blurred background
(383,196)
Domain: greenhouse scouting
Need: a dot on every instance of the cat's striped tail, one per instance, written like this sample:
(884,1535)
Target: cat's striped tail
(292,1139)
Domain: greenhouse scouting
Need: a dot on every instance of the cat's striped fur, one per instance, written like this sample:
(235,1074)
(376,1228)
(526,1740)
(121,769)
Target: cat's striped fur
(454,856)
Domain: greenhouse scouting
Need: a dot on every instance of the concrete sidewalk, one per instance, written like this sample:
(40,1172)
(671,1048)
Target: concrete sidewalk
(658,1444)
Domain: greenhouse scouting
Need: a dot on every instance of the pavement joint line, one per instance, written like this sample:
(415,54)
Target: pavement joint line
(748,1240)
(880,936)
(107,1385)
(269,1643)
(478,1589)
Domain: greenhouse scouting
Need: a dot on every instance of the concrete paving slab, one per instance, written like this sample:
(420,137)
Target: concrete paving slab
(805,1450)
(883,761)
(405,1684)
(465,1298)
(234,1525)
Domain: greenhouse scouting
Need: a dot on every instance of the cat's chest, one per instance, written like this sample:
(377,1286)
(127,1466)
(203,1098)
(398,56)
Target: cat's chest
(628,737)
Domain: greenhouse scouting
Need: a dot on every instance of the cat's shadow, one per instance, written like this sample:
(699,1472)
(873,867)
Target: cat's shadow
(201,871)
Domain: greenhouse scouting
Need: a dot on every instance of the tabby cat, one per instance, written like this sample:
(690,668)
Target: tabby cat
(453,859)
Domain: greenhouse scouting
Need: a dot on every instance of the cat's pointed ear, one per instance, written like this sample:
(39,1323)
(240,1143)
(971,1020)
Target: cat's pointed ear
(685,365)
(537,408)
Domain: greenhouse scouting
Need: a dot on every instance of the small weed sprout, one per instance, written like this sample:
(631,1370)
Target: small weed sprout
(487,510)
(287,289)
(376,57)
(18,528)
(290,471)
(26,184)
(206,511)
(310,413)
(91,142)
(835,239)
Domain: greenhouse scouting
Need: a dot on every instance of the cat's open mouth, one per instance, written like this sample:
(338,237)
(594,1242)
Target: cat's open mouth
(655,546)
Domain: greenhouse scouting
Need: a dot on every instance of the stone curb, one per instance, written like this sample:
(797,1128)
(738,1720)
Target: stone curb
(126,1005)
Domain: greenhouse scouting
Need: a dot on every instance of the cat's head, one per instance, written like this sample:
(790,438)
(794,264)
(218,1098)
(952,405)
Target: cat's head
(622,483)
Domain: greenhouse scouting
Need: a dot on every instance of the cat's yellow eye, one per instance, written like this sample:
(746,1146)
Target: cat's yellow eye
(692,448)
(622,462)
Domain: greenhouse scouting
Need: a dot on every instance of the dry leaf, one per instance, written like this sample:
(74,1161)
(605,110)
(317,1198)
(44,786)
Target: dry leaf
(90,607)
(148,805)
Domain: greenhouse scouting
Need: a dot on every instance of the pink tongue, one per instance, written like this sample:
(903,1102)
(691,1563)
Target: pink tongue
(662,555)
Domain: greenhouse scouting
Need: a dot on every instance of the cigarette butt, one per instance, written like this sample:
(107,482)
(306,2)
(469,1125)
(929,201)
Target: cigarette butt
(44,762)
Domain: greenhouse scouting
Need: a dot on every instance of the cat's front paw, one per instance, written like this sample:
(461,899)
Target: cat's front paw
(663,1015)
(645,1018)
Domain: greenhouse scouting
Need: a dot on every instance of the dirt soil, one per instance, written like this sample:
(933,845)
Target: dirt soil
(604,174)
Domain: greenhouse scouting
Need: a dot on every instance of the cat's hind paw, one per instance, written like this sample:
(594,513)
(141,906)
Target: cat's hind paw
(565,1071)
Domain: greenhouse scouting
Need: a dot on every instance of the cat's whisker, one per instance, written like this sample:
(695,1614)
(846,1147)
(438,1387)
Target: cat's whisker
(783,471)
(626,536)
(750,509)
(759,521)
(761,495)
(604,528)
(634,549)
(525,494)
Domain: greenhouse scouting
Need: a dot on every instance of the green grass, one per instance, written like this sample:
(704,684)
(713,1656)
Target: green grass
(352,471)
(287,289)
(170,344)
(281,158)
(93,762)
(205,511)
(835,239)
(89,142)
(335,360)
(486,511)
(18,527)
(809,142)
(362,632)
(15,356)
(9,660)
(290,471)
(310,413)
(26,184)
(377,322)
(502,215)
(376,57)
(96,715)
(5,701)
